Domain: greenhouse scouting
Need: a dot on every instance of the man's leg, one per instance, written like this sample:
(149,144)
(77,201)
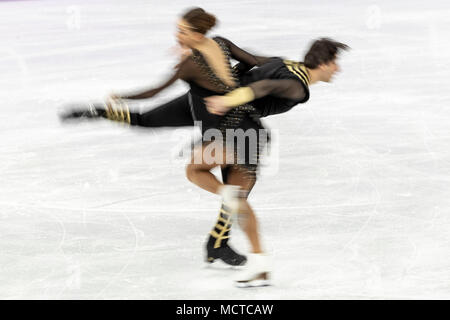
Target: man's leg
(246,216)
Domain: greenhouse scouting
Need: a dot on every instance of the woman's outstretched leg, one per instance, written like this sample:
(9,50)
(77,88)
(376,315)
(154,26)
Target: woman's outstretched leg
(172,114)
(175,113)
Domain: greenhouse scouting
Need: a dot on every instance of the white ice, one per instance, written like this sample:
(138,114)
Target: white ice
(358,208)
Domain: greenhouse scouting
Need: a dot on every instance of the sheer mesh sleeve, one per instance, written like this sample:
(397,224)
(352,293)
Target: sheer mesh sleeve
(283,88)
(243,56)
(288,89)
(241,68)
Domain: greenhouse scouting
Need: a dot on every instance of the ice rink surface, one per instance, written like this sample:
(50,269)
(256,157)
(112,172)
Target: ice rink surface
(355,205)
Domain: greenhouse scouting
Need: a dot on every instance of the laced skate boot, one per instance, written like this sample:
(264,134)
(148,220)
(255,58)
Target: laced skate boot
(224,253)
(217,245)
(257,272)
(75,112)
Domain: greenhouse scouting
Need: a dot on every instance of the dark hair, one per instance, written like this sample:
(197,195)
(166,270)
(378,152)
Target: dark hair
(200,20)
(323,50)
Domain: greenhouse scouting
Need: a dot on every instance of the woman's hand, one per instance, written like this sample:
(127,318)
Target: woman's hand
(182,52)
(216,105)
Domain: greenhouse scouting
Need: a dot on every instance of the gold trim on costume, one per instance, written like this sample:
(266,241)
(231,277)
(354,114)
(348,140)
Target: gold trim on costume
(299,70)
(239,96)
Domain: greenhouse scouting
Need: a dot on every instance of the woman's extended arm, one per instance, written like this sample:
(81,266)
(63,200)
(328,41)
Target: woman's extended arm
(180,73)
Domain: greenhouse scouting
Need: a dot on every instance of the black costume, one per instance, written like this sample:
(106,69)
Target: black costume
(278,86)
(186,109)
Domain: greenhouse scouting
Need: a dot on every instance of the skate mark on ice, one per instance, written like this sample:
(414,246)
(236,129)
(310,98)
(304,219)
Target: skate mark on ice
(129,260)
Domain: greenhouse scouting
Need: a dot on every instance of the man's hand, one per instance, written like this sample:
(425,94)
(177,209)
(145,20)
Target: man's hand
(217,105)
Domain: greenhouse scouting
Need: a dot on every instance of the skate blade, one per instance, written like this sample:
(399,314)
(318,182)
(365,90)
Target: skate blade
(219,264)
(253,284)
(261,280)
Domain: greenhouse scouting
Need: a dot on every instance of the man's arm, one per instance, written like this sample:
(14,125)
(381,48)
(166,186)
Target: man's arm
(282,88)
(241,68)
(246,59)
